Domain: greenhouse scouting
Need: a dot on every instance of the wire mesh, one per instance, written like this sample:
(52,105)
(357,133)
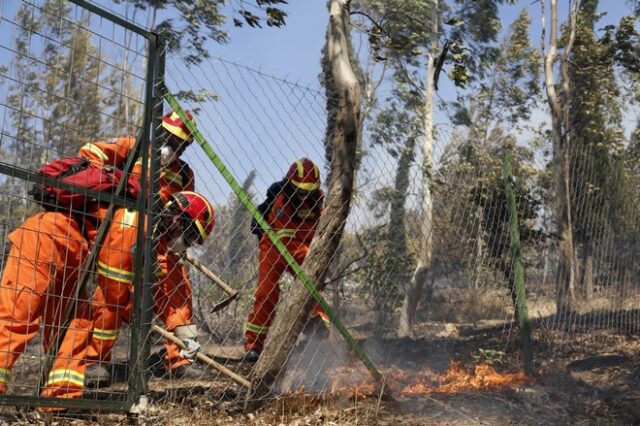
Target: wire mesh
(73,84)
(259,125)
(72,78)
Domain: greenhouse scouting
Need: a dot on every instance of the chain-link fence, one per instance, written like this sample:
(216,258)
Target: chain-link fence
(481,296)
(477,215)
(259,125)
(74,80)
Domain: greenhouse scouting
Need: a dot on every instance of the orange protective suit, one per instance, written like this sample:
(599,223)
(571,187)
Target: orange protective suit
(172,297)
(174,177)
(295,223)
(112,299)
(38,283)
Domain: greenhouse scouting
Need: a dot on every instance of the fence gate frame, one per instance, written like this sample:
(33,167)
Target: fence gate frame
(148,207)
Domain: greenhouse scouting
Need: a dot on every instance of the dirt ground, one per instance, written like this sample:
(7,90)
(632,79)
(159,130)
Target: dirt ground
(586,374)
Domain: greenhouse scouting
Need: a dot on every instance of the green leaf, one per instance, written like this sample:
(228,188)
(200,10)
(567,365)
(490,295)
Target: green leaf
(251,19)
(454,22)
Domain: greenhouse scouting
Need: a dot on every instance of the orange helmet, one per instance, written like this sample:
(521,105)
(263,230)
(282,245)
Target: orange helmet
(198,209)
(174,125)
(304,175)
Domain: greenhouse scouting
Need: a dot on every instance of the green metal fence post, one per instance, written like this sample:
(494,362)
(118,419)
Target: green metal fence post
(517,268)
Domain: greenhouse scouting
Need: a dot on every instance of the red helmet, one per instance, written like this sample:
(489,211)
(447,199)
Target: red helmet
(304,175)
(174,125)
(198,209)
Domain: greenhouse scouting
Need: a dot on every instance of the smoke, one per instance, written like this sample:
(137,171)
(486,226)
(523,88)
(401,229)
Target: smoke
(323,364)
(310,364)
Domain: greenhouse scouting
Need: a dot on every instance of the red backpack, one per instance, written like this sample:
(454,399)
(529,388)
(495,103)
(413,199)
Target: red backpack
(80,172)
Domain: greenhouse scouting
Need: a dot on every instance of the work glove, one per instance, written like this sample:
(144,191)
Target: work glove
(189,335)
(193,347)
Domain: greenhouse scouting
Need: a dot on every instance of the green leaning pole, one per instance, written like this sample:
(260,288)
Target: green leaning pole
(517,268)
(244,198)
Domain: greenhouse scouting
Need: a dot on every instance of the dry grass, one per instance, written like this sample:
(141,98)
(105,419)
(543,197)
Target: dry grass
(589,372)
(469,306)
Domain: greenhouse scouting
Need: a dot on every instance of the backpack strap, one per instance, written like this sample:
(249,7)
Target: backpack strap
(185,173)
(81,165)
(266,206)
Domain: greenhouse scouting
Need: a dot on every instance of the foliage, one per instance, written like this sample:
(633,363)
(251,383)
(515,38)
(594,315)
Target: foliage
(600,199)
(401,31)
(470,203)
(510,91)
(202,20)
(398,132)
(194,98)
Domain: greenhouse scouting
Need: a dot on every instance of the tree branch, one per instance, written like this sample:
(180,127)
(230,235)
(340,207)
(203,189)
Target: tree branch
(373,21)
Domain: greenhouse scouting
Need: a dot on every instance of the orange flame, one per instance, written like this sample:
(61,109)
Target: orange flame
(455,379)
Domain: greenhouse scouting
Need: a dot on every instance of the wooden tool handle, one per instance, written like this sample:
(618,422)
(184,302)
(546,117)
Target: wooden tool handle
(202,357)
(213,277)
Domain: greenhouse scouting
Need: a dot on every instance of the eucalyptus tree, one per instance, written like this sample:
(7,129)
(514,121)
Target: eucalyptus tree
(596,123)
(583,97)
(398,131)
(293,311)
(562,140)
(416,38)
(493,112)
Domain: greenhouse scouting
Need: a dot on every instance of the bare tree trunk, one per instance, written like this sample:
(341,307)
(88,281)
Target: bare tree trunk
(293,310)
(397,262)
(561,132)
(477,265)
(587,276)
(414,289)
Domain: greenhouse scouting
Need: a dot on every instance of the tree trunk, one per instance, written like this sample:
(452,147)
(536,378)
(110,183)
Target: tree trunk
(565,297)
(293,310)
(561,133)
(398,257)
(587,276)
(414,289)
(477,264)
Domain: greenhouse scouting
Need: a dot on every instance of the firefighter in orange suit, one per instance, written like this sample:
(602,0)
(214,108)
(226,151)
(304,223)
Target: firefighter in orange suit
(174,292)
(115,271)
(38,283)
(176,175)
(292,209)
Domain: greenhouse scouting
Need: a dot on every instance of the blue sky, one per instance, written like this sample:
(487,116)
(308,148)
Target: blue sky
(265,123)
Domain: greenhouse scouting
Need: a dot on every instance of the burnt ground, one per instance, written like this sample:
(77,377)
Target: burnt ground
(588,373)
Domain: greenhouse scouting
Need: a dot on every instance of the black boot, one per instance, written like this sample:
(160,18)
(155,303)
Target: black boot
(251,356)
(188,371)
(97,376)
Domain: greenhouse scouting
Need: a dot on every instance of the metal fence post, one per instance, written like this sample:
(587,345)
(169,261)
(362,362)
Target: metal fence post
(145,255)
(517,268)
(25,171)
(154,207)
